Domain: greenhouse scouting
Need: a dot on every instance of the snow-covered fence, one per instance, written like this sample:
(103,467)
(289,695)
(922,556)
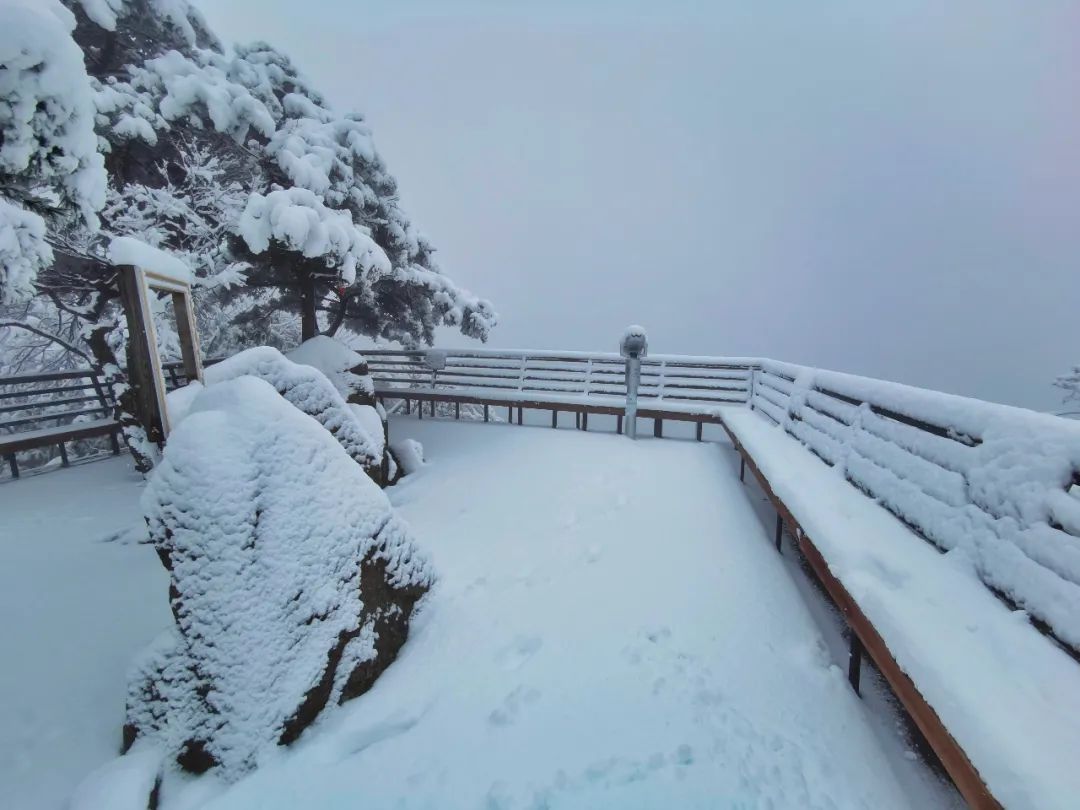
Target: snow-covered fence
(1000,483)
(671,386)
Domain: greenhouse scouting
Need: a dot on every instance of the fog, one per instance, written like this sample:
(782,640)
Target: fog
(890,190)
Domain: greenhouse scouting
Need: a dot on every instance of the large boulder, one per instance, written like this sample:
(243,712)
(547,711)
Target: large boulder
(316,394)
(292,581)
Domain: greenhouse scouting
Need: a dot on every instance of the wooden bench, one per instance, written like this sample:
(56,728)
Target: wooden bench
(52,409)
(920,467)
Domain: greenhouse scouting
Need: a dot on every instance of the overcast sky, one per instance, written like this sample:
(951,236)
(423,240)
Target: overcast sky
(891,189)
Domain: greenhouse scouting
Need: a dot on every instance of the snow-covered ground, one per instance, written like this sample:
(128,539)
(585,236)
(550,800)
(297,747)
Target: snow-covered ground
(611,627)
(78,602)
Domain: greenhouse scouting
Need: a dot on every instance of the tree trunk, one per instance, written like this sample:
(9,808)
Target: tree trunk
(309,319)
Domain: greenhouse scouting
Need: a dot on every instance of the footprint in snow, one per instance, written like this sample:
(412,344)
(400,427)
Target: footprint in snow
(512,705)
(519,651)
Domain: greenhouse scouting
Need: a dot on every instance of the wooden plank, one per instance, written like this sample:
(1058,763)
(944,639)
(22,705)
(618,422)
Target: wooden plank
(30,439)
(23,379)
(49,417)
(35,392)
(26,406)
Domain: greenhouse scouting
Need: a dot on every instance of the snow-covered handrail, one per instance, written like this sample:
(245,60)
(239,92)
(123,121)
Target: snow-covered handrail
(679,383)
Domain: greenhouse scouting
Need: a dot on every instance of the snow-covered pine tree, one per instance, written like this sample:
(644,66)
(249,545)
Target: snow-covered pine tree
(321,231)
(50,170)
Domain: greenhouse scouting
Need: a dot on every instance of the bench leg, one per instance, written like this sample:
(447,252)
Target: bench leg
(115,443)
(457,410)
(854,667)
(408,407)
(584,420)
(658,428)
(779,530)
(510,414)
(432,409)
(420,409)
(742,468)
(486,414)
(618,423)
(697,430)
(63,455)
(521,416)
(14,465)
(554,418)
(577,420)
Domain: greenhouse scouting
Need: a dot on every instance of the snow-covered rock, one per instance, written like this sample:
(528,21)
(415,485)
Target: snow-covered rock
(291,580)
(346,369)
(409,455)
(309,390)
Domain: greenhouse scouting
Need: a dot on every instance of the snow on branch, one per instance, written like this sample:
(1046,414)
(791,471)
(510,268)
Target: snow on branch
(298,220)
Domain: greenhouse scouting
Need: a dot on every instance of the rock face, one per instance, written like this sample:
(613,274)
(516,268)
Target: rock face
(292,582)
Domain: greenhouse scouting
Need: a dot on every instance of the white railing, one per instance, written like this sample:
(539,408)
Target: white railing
(675,383)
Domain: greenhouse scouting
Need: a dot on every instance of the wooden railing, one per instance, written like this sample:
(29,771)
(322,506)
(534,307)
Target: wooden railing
(51,409)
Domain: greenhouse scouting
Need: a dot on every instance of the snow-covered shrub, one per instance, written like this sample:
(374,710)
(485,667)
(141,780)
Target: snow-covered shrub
(292,581)
(309,390)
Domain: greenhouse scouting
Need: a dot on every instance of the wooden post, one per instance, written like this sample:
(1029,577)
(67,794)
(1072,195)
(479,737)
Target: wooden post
(854,668)
(188,334)
(384,465)
(144,368)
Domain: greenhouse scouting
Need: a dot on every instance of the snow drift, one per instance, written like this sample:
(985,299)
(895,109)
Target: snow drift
(291,580)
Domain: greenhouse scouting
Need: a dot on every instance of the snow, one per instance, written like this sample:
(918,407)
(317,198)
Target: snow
(369,417)
(604,633)
(79,599)
(611,627)
(23,251)
(298,219)
(336,360)
(1009,696)
(310,391)
(409,454)
(121,784)
(265,520)
(992,487)
(48,149)
(129,250)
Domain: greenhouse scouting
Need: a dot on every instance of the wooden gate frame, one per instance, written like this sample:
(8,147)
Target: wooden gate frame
(145,374)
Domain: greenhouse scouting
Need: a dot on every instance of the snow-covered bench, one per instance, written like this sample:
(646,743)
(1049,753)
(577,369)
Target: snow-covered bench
(44,410)
(876,480)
